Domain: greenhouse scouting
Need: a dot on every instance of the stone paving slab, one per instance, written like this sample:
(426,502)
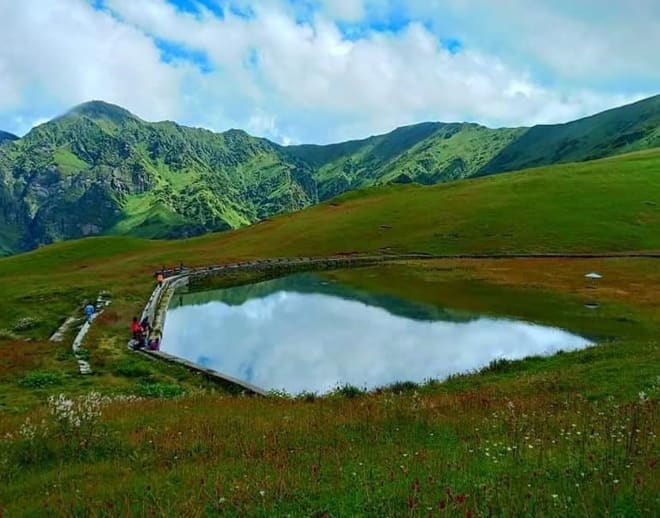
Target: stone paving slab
(58,336)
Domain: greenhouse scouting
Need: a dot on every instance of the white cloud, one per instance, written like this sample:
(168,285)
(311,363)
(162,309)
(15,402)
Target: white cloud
(305,82)
(590,41)
(74,54)
(346,10)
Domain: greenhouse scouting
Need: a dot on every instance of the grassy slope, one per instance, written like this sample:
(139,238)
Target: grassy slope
(620,130)
(230,450)
(554,209)
(426,153)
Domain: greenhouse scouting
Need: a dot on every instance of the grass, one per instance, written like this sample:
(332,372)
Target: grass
(428,454)
(500,442)
(69,163)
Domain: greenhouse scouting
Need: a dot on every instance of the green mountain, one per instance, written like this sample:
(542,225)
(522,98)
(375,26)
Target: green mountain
(99,169)
(629,128)
(426,153)
(7,137)
(435,152)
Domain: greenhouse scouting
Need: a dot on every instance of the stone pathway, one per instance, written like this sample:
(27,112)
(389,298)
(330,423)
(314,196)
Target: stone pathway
(58,336)
(102,301)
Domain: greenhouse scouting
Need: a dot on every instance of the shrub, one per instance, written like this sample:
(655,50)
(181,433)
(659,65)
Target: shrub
(308,397)
(39,379)
(349,391)
(403,386)
(497,365)
(160,390)
(279,393)
(128,368)
(25,323)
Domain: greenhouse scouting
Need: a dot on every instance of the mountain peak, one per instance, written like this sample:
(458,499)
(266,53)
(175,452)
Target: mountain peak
(101,110)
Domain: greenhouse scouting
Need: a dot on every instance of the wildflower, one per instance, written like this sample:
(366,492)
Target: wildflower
(27,430)
(555,495)
(262,493)
(643,396)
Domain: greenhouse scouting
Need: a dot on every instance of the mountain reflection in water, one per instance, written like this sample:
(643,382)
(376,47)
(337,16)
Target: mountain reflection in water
(301,333)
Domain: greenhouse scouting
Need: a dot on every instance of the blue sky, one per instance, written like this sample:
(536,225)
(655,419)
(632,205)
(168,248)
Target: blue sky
(323,71)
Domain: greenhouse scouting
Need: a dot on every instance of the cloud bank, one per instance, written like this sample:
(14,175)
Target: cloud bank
(322,71)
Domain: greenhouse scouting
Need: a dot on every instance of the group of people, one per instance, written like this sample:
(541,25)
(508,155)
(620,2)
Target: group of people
(144,337)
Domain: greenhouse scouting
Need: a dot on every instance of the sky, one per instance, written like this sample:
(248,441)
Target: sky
(319,71)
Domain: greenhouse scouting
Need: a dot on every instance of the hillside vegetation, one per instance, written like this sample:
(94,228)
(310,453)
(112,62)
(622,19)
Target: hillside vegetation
(570,435)
(101,170)
(605,206)
(7,137)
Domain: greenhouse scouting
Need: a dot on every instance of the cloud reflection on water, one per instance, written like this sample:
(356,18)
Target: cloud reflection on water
(313,342)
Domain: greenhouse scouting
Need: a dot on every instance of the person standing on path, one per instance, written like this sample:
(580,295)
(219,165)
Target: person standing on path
(89,311)
(159,278)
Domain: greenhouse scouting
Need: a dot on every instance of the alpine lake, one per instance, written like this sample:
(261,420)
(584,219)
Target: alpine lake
(316,332)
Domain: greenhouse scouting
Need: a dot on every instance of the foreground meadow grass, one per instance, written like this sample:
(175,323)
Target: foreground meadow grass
(410,453)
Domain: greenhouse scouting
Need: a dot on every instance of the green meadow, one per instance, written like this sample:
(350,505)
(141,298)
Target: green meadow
(570,435)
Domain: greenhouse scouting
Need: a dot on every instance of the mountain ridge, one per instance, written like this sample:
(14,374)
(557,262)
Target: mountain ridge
(99,169)
(5,136)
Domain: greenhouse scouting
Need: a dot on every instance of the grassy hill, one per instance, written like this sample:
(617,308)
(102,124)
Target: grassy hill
(605,206)
(100,170)
(620,130)
(567,435)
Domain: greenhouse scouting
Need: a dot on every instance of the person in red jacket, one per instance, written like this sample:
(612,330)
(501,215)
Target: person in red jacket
(136,329)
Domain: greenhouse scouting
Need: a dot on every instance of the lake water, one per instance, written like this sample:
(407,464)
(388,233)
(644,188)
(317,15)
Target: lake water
(304,333)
